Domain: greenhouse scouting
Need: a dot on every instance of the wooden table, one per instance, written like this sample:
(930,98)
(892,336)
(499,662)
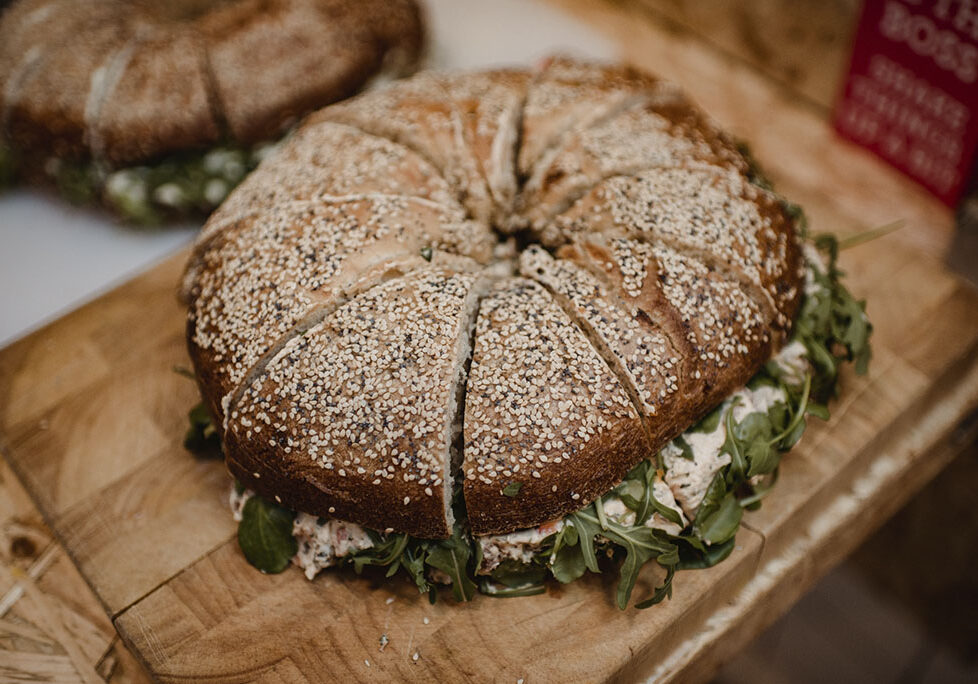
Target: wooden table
(91,416)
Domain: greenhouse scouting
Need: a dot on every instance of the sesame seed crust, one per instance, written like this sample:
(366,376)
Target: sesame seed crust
(643,353)
(329,159)
(542,408)
(489,106)
(420,114)
(357,408)
(657,133)
(335,298)
(568,94)
(708,211)
(267,273)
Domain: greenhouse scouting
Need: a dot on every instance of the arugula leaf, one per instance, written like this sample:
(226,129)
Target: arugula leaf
(687,451)
(710,422)
(662,592)
(451,556)
(722,523)
(513,574)
(512,489)
(587,529)
(489,589)
(695,556)
(568,563)
(265,535)
(732,446)
(202,437)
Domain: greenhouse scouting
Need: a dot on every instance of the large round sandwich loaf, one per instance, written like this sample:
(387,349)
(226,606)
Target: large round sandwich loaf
(114,83)
(335,353)
(482,299)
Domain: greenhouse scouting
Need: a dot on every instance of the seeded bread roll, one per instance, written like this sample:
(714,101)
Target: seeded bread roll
(356,324)
(123,82)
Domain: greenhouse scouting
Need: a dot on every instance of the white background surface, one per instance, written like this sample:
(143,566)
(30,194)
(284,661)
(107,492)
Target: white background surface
(54,257)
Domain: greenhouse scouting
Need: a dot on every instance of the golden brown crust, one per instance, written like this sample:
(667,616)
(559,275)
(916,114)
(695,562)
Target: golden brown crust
(542,409)
(362,406)
(159,104)
(269,273)
(421,114)
(326,159)
(568,95)
(124,82)
(706,211)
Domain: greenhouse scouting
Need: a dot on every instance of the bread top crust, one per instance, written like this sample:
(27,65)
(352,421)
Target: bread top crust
(713,213)
(269,275)
(673,280)
(125,82)
(543,409)
(567,94)
(641,351)
(652,135)
(360,405)
(325,160)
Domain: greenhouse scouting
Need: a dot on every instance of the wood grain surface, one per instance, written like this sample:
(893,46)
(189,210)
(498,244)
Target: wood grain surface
(803,45)
(92,416)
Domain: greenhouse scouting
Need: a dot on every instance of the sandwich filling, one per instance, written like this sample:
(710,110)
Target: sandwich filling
(681,508)
(183,185)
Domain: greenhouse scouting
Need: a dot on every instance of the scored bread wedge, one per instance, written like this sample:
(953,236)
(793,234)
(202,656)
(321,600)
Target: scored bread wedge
(421,114)
(712,213)
(489,105)
(729,335)
(567,94)
(651,135)
(548,426)
(357,419)
(648,363)
(260,281)
(272,62)
(145,112)
(327,160)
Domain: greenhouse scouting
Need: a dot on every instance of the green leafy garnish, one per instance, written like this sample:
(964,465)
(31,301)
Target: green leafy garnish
(451,556)
(426,253)
(512,489)
(202,438)
(265,535)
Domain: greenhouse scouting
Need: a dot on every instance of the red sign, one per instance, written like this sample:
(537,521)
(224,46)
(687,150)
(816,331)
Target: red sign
(912,91)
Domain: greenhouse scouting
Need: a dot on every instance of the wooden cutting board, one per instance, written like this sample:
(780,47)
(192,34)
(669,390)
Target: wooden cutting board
(92,416)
